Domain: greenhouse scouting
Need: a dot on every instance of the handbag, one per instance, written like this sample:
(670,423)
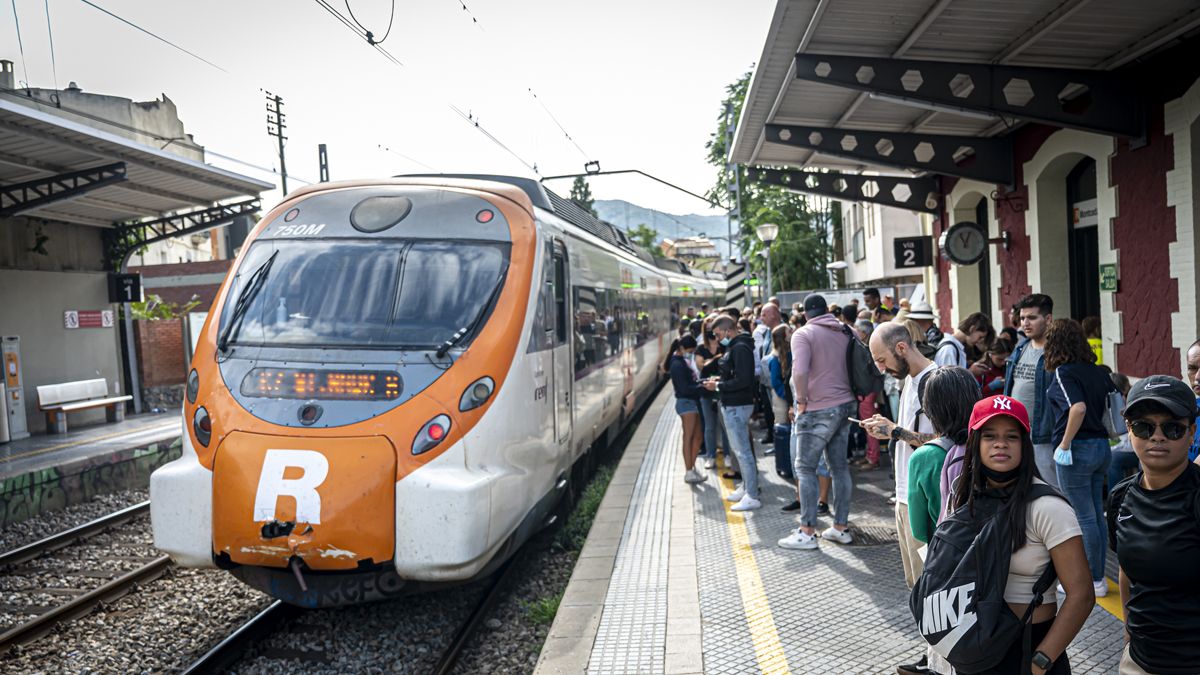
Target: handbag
(1114,406)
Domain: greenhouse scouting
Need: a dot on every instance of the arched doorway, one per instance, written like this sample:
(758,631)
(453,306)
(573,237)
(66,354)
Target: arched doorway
(1083,245)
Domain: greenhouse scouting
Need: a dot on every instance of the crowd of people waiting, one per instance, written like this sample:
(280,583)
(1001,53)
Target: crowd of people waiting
(1026,422)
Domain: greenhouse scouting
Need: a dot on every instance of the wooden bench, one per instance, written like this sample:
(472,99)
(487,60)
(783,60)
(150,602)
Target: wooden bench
(56,400)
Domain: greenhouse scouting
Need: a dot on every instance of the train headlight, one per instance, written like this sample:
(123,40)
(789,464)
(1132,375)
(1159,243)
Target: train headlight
(193,385)
(477,394)
(434,432)
(202,425)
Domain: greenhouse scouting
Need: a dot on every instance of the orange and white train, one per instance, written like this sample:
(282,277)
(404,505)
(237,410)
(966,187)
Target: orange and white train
(400,379)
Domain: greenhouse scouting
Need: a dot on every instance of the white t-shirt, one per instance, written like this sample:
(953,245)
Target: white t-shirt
(951,352)
(906,418)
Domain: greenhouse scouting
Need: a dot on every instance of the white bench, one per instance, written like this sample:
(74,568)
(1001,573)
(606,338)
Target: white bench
(56,400)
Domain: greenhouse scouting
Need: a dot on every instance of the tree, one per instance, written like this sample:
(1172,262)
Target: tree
(803,246)
(581,194)
(645,237)
(153,308)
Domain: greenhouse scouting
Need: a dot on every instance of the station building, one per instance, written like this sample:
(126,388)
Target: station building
(1059,140)
(86,180)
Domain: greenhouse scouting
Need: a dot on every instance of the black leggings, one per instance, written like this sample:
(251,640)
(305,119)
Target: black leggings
(1012,663)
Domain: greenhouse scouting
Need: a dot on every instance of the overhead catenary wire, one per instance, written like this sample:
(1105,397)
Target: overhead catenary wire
(532,93)
(471,119)
(470,14)
(50,31)
(150,33)
(359,32)
(404,156)
(369,35)
(20,43)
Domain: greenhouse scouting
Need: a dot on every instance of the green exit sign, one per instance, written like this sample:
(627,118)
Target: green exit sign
(1108,277)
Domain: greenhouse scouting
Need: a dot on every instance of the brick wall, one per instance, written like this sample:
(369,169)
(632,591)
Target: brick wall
(160,352)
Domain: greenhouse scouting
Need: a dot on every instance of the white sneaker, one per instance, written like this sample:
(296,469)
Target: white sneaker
(1101,588)
(840,536)
(746,503)
(693,476)
(799,541)
(736,495)
(708,463)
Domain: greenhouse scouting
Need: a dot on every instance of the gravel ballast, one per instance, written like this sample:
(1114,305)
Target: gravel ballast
(53,522)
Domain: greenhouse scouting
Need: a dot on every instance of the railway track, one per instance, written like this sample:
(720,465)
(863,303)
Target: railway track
(277,615)
(94,563)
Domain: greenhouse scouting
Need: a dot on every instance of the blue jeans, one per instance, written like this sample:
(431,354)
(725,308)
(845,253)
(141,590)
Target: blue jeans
(1083,485)
(737,422)
(710,410)
(1122,462)
(817,435)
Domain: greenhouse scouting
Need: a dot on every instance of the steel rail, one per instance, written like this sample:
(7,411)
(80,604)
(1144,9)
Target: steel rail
(67,537)
(467,629)
(83,604)
(228,651)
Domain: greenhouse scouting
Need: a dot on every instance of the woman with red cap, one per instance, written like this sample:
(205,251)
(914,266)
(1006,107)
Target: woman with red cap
(999,461)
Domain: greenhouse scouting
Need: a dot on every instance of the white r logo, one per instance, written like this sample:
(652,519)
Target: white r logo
(272,485)
(1001,403)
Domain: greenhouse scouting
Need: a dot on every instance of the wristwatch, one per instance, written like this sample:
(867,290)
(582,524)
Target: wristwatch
(1042,661)
(896,431)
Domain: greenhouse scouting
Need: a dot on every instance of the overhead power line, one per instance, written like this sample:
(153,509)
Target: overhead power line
(20,43)
(362,33)
(471,119)
(404,156)
(586,157)
(156,36)
(470,14)
(50,30)
(368,34)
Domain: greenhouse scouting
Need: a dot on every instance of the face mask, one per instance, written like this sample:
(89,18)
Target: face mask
(1000,476)
(725,342)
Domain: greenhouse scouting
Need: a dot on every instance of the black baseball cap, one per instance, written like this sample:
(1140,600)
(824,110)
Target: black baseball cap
(814,306)
(1169,392)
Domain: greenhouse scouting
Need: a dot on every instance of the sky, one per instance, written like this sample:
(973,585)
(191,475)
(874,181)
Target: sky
(637,84)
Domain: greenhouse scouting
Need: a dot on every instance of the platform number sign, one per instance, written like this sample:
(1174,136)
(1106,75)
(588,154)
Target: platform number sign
(124,288)
(913,252)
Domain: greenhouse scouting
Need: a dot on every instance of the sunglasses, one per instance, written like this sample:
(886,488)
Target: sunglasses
(1145,429)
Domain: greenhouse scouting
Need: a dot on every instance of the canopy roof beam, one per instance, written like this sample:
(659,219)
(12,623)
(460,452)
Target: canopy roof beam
(126,238)
(987,159)
(30,195)
(915,193)
(1089,100)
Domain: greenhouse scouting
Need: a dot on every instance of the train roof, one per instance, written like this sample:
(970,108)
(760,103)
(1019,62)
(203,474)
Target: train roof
(547,200)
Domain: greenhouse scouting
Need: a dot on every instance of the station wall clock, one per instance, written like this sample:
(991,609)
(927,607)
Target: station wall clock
(964,243)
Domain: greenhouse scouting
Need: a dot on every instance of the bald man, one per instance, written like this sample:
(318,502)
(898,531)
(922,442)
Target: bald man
(770,317)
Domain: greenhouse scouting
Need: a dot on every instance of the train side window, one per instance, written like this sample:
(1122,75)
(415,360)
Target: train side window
(560,297)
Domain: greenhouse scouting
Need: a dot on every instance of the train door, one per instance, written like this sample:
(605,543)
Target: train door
(564,360)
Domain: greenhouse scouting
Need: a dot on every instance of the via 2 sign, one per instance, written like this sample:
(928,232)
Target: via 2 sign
(913,252)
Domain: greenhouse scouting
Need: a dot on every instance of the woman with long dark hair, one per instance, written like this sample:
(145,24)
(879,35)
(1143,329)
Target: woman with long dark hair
(948,395)
(708,357)
(685,378)
(1078,398)
(999,464)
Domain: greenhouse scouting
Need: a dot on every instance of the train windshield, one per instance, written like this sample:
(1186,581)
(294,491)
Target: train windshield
(360,294)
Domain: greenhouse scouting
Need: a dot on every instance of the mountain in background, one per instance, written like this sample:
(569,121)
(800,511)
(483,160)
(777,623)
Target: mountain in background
(669,225)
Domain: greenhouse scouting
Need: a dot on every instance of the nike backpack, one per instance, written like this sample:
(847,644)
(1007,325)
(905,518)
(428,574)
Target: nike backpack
(958,602)
(865,378)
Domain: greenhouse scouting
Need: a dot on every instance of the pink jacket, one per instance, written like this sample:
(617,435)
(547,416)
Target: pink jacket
(819,351)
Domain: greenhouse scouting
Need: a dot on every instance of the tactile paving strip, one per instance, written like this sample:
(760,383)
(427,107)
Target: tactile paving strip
(633,628)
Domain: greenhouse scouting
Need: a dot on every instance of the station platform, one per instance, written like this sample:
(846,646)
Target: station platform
(46,472)
(671,581)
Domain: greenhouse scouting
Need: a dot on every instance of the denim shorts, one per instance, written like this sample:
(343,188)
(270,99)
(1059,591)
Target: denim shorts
(684,406)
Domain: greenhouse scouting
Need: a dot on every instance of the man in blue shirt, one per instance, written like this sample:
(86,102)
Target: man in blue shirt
(1193,378)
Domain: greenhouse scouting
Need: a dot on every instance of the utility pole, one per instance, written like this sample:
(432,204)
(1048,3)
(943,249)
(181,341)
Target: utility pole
(275,127)
(730,125)
(323,163)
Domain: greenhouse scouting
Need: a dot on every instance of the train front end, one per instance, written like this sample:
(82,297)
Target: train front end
(364,332)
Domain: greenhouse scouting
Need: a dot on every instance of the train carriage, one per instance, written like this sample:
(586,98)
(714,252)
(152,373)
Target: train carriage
(399,379)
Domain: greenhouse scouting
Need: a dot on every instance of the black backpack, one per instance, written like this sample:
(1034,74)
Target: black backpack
(958,602)
(864,375)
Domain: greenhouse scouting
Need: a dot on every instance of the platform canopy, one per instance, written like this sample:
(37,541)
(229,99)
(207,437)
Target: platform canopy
(59,169)
(927,76)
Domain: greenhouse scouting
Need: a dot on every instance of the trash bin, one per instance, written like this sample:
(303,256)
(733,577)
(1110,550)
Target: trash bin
(4,436)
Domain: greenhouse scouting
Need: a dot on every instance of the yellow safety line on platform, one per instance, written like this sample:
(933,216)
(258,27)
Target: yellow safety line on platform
(759,618)
(1111,603)
(82,441)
